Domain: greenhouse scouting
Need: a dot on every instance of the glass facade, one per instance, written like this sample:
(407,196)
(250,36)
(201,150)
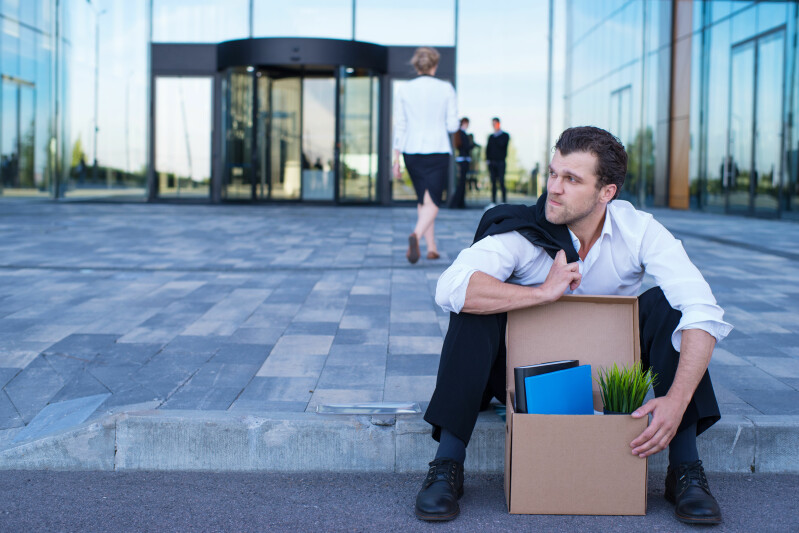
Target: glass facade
(614,79)
(77,89)
(742,155)
(30,94)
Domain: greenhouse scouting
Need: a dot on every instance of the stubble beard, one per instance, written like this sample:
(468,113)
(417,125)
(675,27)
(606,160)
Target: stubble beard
(566,216)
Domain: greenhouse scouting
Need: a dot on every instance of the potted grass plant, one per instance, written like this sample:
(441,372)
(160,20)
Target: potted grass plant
(623,389)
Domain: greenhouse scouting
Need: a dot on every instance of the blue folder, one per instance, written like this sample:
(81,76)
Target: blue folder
(563,392)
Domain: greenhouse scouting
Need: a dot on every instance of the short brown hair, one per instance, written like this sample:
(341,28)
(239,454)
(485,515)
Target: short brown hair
(425,59)
(611,164)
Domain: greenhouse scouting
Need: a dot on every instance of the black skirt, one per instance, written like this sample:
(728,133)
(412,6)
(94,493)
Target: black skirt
(429,172)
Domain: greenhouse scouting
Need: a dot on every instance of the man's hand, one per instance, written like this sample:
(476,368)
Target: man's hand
(666,417)
(395,168)
(561,275)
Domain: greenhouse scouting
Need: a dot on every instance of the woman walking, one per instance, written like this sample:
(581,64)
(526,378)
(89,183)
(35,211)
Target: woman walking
(425,114)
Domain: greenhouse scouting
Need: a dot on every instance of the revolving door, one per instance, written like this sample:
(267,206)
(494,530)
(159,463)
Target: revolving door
(304,133)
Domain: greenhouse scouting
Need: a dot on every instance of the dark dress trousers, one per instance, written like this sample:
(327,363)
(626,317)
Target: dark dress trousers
(496,153)
(472,366)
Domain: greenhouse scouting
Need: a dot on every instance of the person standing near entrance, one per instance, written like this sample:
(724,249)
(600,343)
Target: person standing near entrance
(496,152)
(425,113)
(463,144)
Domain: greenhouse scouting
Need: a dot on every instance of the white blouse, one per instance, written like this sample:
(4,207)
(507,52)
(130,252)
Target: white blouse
(425,113)
(632,244)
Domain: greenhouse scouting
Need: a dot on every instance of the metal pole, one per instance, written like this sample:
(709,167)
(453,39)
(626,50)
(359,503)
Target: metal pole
(251,19)
(96,86)
(56,138)
(353,20)
(548,138)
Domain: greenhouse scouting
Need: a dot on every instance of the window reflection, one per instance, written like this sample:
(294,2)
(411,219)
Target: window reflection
(238,134)
(318,138)
(358,137)
(183,136)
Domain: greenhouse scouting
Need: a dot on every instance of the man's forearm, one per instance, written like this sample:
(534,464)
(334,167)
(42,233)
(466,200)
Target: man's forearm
(487,295)
(696,349)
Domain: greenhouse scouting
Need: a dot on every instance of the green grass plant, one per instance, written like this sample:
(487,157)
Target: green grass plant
(623,389)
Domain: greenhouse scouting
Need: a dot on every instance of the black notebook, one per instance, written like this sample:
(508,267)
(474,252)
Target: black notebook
(521,372)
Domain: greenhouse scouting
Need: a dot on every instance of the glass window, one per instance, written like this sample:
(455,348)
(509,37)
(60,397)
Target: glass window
(358,135)
(716,173)
(10,8)
(318,138)
(303,18)
(743,25)
(183,136)
(107,84)
(27,12)
(9,135)
(284,138)
(9,47)
(27,54)
(401,189)
(410,22)
(771,14)
(238,135)
(200,21)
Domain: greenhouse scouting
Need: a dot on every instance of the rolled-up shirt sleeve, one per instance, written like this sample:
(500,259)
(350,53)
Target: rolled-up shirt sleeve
(497,256)
(664,257)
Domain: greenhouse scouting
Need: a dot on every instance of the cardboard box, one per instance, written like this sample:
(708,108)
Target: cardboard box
(574,464)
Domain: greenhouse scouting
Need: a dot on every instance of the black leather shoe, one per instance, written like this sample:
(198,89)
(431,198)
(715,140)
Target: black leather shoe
(443,486)
(687,489)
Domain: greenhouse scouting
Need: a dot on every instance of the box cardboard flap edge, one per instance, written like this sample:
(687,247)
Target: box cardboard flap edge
(596,330)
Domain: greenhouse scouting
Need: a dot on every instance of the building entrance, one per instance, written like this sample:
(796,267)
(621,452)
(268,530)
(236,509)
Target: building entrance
(301,134)
(289,119)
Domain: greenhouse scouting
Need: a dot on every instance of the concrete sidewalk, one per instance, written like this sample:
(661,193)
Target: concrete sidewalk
(203,337)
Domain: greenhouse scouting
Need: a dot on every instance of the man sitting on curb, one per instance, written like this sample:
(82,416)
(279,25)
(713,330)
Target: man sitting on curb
(577,240)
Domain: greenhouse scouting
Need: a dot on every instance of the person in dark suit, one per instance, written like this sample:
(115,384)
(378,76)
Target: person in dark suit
(464,145)
(496,152)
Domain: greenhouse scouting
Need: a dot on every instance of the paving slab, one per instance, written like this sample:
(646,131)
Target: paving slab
(153,304)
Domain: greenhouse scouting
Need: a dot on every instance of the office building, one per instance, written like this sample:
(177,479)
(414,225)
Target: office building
(268,101)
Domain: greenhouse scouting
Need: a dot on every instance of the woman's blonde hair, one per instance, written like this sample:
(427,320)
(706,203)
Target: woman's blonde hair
(425,59)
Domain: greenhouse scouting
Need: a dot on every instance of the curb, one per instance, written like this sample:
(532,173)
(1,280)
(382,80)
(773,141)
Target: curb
(219,441)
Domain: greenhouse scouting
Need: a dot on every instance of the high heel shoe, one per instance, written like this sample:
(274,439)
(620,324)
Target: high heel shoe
(413,252)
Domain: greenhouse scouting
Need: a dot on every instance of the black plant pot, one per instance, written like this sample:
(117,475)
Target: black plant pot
(606,412)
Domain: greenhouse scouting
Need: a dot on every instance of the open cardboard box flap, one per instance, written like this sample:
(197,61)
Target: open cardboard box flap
(574,464)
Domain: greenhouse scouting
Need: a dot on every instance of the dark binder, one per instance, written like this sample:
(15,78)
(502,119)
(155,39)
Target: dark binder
(564,392)
(522,372)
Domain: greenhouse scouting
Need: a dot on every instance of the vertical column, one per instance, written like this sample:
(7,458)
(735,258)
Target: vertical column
(680,127)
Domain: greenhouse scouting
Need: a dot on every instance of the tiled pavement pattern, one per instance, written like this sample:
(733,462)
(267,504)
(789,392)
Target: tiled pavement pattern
(259,308)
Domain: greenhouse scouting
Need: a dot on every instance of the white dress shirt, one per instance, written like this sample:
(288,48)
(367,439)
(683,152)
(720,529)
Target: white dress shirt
(425,113)
(632,244)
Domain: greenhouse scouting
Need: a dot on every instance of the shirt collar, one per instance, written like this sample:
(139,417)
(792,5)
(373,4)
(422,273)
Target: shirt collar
(607,229)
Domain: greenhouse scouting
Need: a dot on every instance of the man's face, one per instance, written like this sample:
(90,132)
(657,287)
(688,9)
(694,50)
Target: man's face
(572,192)
(495,124)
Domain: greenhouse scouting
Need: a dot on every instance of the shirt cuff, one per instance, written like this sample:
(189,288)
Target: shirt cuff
(717,328)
